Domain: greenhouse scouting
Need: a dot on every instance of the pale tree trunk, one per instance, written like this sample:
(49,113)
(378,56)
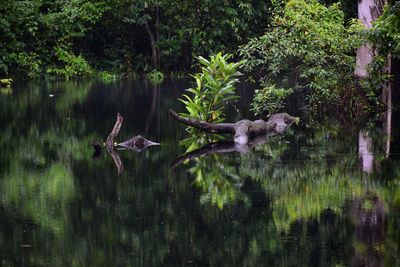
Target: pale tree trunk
(368,12)
(365,152)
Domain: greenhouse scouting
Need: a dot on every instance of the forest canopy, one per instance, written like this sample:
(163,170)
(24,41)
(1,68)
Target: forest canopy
(73,37)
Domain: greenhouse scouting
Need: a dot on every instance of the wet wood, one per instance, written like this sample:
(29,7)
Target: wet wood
(137,143)
(205,126)
(245,130)
(115,131)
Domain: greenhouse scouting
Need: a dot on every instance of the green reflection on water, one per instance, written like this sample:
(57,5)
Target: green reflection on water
(302,198)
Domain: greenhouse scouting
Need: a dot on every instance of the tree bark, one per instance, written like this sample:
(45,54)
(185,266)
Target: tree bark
(115,131)
(365,152)
(368,12)
(153,43)
(245,130)
(205,126)
(386,98)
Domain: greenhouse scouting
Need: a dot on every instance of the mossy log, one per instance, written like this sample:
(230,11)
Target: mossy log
(244,131)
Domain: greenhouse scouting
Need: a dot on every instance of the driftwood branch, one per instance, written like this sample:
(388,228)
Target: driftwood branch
(245,130)
(205,126)
(137,143)
(115,131)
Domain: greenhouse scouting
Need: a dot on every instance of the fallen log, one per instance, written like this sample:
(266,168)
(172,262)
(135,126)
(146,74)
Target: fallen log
(245,130)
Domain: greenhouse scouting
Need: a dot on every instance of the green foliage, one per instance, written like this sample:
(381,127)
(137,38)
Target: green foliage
(384,36)
(385,33)
(306,47)
(5,86)
(5,83)
(71,65)
(213,26)
(214,87)
(155,76)
(377,77)
(270,99)
(107,76)
(41,35)
(114,35)
(218,182)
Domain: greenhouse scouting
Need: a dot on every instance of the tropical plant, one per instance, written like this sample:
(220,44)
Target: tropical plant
(214,87)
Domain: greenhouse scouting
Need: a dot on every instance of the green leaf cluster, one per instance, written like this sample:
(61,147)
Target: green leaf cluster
(214,87)
(385,33)
(40,37)
(113,35)
(270,99)
(155,76)
(306,47)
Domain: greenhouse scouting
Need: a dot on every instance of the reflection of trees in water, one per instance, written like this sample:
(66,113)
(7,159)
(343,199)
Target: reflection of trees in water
(368,216)
(65,209)
(294,203)
(323,177)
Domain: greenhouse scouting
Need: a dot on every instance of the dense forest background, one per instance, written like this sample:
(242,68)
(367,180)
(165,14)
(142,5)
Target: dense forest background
(75,37)
(313,47)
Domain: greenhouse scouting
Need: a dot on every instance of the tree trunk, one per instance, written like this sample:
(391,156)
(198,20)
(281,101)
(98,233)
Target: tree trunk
(365,152)
(158,35)
(368,12)
(153,43)
(386,98)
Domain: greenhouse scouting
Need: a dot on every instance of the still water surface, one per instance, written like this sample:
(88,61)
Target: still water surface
(326,193)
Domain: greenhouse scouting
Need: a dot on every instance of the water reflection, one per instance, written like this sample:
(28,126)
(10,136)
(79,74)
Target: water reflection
(296,199)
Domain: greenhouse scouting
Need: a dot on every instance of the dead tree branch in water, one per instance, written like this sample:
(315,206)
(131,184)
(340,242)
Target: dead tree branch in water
(115,131)
(137,143)
(245,130)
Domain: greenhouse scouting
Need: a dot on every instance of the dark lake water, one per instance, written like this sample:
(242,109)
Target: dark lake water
(325,193)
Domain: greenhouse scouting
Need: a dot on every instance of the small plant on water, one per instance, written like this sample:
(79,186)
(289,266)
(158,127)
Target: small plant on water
(214,87)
